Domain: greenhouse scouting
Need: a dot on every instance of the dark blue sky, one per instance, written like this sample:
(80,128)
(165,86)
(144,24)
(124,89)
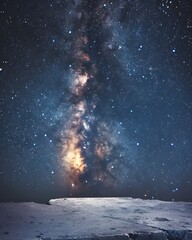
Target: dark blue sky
(129,125)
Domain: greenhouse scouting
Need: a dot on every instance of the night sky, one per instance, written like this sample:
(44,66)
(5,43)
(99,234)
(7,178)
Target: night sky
(95,99)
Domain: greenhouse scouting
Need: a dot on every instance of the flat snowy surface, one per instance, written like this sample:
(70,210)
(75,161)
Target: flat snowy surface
(95,218)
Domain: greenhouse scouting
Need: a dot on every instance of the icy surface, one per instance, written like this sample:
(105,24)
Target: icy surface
(96,218)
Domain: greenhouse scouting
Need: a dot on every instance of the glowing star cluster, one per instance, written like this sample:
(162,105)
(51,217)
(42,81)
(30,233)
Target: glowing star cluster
(74,139)
(87,142)
(72,153)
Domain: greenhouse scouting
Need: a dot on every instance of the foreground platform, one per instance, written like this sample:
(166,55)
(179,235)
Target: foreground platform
(96,218)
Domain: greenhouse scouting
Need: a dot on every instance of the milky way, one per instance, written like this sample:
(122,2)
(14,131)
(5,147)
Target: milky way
(86,156)
(96,99)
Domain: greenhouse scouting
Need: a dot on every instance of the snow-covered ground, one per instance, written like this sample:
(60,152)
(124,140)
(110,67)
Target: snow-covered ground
(96,218)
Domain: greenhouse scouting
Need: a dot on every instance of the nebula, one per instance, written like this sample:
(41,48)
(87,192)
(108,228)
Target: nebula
(86,141)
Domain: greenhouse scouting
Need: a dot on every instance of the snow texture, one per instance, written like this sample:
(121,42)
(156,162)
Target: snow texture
(96,218)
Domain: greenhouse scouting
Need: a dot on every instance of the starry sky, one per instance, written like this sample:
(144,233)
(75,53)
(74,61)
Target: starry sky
(95,99)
